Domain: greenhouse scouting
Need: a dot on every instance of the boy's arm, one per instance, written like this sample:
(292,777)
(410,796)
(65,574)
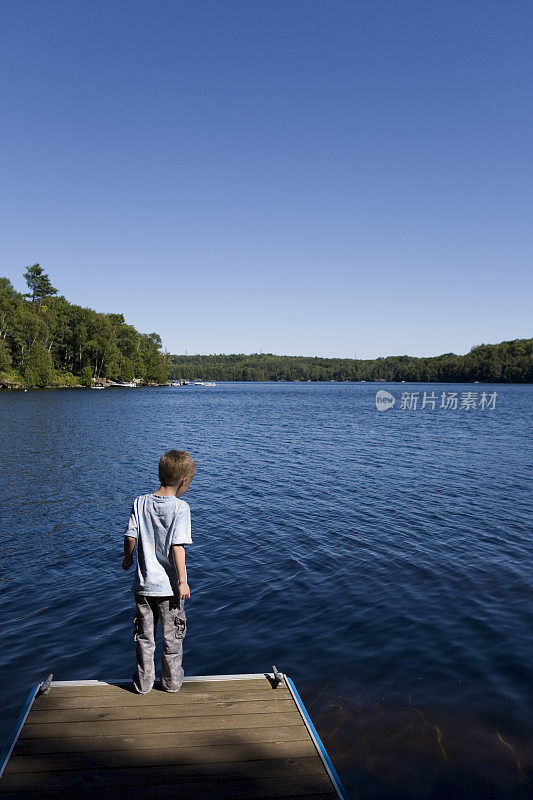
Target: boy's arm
(129,547)
(178,557)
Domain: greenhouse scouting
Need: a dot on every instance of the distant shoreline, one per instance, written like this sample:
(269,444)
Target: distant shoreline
(77,387)
(506,362)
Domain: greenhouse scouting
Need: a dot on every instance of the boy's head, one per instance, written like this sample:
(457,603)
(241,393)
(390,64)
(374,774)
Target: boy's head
(176,468)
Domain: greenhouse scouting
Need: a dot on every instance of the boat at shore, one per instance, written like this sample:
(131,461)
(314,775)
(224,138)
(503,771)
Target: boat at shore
(191,383)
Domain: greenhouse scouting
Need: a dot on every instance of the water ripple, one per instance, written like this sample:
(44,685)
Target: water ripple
(383,560)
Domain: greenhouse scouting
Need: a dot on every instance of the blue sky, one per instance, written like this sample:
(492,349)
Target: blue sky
(292,176)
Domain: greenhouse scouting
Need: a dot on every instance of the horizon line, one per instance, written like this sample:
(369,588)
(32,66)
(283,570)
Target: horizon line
(348,358)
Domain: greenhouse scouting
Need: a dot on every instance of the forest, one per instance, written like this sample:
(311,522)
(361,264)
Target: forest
(47,341)
(505,362)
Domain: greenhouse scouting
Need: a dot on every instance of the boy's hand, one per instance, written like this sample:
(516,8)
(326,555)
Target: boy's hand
(126,563)
(184,590)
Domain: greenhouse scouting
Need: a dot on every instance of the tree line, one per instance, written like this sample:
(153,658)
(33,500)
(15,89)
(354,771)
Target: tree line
(505,362)
(47,341)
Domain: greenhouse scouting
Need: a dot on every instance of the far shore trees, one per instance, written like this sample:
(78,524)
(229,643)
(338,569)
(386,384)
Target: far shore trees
(505,362)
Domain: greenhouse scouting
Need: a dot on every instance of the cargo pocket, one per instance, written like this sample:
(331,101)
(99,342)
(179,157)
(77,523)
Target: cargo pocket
(135,629)
(181,624)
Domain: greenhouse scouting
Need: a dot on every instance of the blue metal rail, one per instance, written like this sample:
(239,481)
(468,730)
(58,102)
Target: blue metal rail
(322,752)
(19,724)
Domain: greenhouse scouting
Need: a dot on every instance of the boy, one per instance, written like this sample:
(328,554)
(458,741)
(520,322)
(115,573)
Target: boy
(160,524)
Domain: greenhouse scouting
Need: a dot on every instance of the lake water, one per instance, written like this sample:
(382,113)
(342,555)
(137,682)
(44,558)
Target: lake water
(383,560)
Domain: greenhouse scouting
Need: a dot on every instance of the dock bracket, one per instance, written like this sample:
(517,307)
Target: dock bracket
(45,686)
(278,677)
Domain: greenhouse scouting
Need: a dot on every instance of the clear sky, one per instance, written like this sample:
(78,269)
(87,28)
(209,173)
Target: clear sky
(315,177)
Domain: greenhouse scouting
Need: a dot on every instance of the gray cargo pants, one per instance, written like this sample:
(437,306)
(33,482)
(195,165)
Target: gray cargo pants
(170,612)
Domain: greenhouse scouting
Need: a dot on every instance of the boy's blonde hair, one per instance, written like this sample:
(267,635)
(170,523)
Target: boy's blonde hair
(175,465)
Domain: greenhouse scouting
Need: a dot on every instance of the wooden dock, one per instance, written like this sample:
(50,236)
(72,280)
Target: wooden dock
(219,737)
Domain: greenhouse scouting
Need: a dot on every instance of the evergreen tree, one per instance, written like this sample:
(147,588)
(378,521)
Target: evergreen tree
(86,376)
(38,283)
(39,367)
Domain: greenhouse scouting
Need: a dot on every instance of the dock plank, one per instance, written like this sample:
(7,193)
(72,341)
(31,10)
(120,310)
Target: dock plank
(180,724)
(127,698)
(126,741)
(292,786)
(103,778)
(160,711)
(147,793)
(205,687)
(170,755)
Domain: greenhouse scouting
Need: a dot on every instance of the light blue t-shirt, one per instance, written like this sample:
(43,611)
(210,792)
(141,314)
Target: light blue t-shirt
(157,523)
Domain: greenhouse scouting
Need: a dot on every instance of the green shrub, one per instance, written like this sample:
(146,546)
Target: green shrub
(11,376)
(64,378)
